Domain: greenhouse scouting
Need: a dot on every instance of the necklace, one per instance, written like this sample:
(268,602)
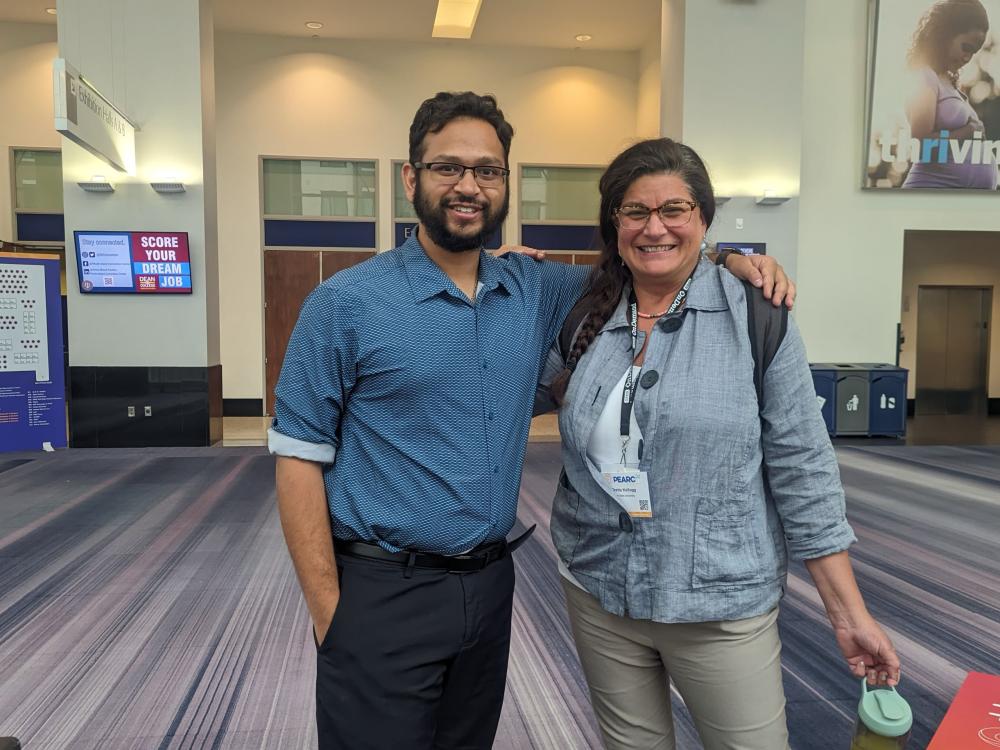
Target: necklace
(651,316)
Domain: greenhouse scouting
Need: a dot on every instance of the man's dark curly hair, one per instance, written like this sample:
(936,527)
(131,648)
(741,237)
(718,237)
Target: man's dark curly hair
(446,106)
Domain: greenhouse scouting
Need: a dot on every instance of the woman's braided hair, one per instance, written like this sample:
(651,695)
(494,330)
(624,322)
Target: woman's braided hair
(610,274)
(942,22)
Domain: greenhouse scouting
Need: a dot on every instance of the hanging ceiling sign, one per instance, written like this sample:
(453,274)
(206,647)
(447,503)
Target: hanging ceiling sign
(85,116)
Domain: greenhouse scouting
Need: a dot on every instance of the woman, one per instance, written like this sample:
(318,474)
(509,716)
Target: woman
(672,547)
(947,37)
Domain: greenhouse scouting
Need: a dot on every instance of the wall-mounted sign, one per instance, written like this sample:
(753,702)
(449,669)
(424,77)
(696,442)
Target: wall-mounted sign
(32,383)
(85,116)
(746,248)
(933,95)
(133,262)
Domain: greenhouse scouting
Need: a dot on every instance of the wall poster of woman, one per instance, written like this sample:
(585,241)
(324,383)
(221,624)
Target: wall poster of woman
(934,95)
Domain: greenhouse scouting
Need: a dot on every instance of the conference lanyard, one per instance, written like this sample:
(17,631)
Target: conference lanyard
(630,389)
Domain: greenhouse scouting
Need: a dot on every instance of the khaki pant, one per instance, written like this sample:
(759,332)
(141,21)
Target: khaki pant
(728,673)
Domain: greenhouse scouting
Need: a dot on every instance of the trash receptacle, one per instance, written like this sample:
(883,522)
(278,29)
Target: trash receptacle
(886,399)
(850,396)
(825,383)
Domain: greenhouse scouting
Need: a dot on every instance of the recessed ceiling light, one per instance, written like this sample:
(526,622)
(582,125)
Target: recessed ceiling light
(314,25)
(583,37)
(50,11)
(455,19)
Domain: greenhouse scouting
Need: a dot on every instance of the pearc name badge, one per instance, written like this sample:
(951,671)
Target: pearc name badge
(629,488)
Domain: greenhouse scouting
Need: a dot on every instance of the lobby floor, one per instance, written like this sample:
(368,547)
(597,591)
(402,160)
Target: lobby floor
(248,431)
(953,430)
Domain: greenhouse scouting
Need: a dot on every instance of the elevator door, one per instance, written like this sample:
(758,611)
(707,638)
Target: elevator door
(952,350)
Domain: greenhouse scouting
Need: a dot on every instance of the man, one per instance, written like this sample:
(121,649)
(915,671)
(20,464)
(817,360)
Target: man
(401,423)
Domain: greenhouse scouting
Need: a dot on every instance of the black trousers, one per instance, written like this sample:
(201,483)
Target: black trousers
(414,663)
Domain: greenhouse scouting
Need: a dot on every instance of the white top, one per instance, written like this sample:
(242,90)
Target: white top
(605,446)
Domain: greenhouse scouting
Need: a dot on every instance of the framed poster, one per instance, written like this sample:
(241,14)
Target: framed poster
(933,114)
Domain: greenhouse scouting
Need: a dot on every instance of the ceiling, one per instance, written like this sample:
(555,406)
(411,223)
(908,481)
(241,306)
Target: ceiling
(621,25)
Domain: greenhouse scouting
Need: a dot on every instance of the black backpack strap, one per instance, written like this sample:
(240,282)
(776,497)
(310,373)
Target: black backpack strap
(766,325)
(571,326)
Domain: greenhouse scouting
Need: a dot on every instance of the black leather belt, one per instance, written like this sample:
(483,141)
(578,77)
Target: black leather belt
(475,559)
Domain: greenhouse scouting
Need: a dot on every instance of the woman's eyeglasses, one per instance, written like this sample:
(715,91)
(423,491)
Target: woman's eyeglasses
(672,214)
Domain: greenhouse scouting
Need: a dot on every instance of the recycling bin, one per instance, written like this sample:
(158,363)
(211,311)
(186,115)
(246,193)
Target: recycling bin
(886,399)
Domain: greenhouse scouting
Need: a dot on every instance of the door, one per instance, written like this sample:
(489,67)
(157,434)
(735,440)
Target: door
(289,276)
(952,350)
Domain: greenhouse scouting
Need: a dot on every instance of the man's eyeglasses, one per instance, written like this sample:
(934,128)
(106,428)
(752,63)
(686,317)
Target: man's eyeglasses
(672,214)
(486,175)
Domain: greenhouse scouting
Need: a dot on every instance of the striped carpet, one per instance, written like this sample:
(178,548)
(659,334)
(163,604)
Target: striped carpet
(146,601)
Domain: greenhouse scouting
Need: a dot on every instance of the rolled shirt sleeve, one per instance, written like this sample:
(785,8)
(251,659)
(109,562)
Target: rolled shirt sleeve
(318,372)
(799,459)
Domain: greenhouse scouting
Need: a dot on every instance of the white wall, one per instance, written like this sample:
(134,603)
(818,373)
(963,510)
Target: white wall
(26,55)
(742,113)
(850,266)
(775,225)
(949,258)
(335,98)
(743,92)
(147,61)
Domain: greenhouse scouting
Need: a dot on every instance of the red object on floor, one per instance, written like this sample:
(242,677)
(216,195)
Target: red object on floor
(972,721)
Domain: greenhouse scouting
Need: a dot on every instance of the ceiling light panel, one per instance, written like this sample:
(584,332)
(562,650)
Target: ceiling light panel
(455,19)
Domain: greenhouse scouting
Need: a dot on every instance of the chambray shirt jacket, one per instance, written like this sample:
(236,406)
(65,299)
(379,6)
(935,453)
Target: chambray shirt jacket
(417,401)
(717,545)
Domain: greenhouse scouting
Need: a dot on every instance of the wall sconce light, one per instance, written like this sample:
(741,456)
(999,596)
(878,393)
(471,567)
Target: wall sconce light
(770,199)
(168,187)
(97,184)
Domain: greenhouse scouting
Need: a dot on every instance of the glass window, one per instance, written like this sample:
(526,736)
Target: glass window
(315,187)
(38,184)
(401,207)
(560,194)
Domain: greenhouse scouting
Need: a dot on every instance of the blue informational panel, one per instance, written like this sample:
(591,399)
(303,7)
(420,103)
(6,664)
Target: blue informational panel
(32,387)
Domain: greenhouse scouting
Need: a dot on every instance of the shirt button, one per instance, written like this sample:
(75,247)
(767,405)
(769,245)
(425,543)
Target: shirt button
(486,365)
(490,416)
(625,522)
(496,469)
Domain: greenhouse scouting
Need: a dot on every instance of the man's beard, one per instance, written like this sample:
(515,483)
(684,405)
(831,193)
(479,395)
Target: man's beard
(435,220)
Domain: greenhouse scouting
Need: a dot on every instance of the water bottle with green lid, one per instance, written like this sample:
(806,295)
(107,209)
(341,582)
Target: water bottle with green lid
(884,719)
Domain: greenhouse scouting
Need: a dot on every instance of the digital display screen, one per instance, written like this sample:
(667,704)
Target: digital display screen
(133,262)
(746,248)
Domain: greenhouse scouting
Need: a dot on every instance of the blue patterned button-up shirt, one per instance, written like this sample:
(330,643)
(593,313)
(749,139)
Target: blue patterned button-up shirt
(416,400)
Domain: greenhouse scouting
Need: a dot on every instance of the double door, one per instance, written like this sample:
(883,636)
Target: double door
(289,276)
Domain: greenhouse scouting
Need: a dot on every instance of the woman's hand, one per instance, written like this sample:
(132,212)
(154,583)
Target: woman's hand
(764,271)
(973,126)
(520,249)
(869,651)
(862,641)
